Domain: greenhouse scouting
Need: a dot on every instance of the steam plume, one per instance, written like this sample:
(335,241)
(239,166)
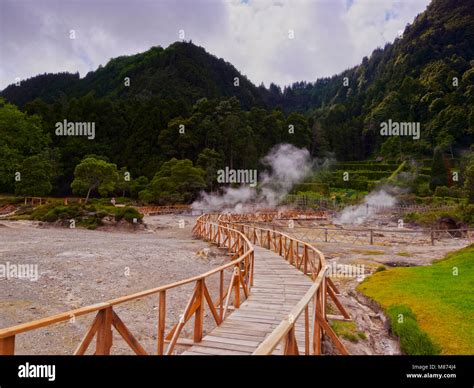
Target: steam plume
(360,213)
(286,165)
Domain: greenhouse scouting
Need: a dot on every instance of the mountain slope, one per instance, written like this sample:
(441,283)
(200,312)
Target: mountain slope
(427,76)
(182,71)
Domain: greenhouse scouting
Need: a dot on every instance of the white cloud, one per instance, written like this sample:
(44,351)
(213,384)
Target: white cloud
(329,35)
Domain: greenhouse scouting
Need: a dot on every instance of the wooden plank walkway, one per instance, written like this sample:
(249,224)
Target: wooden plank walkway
(278,286)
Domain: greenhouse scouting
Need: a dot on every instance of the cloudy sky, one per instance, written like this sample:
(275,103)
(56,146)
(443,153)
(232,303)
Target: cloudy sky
(254,35)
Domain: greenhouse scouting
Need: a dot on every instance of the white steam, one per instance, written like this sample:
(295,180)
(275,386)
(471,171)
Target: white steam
(287,166)
(358,214)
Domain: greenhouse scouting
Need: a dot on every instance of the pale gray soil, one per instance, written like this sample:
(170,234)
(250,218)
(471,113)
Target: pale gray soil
(78,267)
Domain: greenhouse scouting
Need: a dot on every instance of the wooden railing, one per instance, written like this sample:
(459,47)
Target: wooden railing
(312,307)
(170,209)
(271,215)
(106,318)
(381,236)
(43,200)
(238,239)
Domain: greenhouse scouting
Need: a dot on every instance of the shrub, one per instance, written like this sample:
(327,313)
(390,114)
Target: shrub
(101,213)
(467,213)
(413,340)
(367,166)
(128,214)
(322,188)
(453,192)
(423,189)
(145,196)
(52,212)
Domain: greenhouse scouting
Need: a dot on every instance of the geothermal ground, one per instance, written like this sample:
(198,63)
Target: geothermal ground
(80,267)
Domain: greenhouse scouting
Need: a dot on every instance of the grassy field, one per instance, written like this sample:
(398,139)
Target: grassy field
(441,296)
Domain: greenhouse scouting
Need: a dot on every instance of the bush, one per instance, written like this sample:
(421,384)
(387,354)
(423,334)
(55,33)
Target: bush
(423,189)
(53,212)
(89,216)
(413,340)
(322,188)
(367,166)
(91,208)
(453,192)
(128,214)
(102,213)
(467,213)
(145,196)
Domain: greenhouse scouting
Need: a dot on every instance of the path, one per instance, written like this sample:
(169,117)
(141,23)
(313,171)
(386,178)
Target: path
(278,287)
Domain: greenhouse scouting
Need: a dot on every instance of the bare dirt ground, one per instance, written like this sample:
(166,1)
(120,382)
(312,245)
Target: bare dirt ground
(78,267)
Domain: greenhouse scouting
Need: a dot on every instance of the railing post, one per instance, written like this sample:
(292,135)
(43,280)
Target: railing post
(305,264)
(325,235)
(290,259)
(104,334)
(252,261)
(316,325)
(199,315)
(237,287)
(432,237)
(221,295)
(161,322)
(7,346)
(371,237)
(306,330)
(291,346)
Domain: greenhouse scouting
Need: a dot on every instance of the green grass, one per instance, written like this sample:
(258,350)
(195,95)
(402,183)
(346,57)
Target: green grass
(462,212)
(348,330)
(413,340)
(440,297)
(404,254)
(368,251)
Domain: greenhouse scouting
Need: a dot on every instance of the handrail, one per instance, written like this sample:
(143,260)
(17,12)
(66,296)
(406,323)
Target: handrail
(289,248)
(271,342)
(148,210)
(328,234)
(242,276)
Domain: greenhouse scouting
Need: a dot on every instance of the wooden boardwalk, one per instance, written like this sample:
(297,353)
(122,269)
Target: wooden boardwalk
(278,287)
(284,283)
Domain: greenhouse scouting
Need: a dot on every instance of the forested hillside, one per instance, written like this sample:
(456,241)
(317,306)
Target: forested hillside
(182,102)
(425,76)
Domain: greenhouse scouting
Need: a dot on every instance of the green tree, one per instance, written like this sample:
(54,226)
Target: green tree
(137,185)
(469,181)
(36,175)
(94,174)
(21,136)
(123,181)
(177,181)
(210,161)
(439,173)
